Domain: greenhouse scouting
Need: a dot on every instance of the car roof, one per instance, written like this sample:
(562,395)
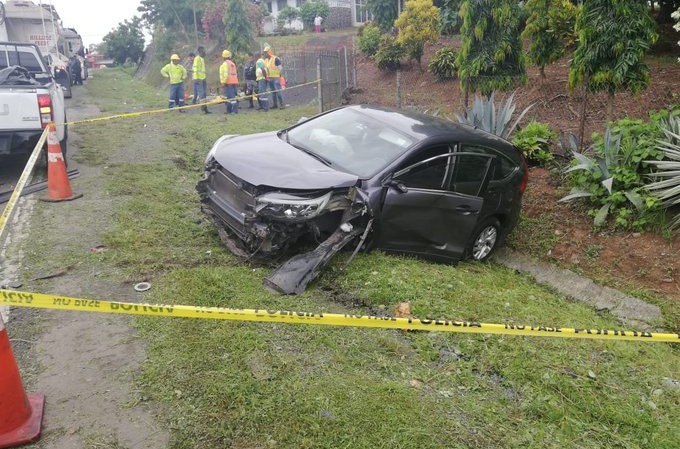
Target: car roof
(422,126)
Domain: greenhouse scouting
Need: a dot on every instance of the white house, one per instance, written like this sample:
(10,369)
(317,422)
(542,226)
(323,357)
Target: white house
(344,13)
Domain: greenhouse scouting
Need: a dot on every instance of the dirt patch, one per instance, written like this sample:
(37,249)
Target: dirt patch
(626,258)
(84,363)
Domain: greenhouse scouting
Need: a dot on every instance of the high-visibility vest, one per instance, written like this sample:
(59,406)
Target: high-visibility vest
(272,70)
(259,71)
(228,73)
(198,68)
(175,72)
(232,77)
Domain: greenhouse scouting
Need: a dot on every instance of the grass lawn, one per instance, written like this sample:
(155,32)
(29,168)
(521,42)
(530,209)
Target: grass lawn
(250,385)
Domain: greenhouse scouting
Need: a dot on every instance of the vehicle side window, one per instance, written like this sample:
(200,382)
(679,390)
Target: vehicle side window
(470,172)
(504,166)
(430,175)
(3,60)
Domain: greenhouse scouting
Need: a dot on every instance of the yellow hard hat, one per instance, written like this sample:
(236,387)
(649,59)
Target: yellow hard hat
(267,48)
(174,57)
(226,54)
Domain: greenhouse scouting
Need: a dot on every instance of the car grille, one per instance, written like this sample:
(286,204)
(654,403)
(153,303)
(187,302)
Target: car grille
(229,189)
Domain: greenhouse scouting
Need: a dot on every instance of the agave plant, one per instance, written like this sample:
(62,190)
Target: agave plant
(601,173)
(666,185)
(485,115)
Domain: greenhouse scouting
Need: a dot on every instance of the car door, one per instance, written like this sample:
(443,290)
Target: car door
(432,206)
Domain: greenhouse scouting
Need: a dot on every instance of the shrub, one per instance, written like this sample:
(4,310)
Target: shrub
(613,179)
(369,39)
(309,10)
(534,140)
(286,17)
(389,53)
(443,64)
(666,178)
(485,115)
(417,24)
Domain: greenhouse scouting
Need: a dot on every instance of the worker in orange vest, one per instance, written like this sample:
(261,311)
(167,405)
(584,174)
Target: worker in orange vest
(229,81)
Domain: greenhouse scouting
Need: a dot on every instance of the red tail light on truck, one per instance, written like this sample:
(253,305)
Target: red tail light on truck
(45,106)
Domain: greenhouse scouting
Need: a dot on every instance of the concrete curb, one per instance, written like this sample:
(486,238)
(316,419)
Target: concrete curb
(628,309)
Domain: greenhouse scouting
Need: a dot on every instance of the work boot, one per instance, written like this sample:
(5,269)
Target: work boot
(205,110)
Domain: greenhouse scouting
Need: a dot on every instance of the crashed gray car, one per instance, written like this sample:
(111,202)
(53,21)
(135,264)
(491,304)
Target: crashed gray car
(371,176)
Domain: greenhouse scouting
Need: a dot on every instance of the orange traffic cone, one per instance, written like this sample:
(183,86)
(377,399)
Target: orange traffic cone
(58,186)
(20,415)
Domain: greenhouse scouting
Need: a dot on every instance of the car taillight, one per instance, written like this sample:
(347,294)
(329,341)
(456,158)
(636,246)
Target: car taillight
(525,177)
(45,106)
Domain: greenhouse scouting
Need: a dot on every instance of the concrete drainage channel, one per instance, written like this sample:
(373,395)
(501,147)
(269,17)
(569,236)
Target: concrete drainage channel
(627,309)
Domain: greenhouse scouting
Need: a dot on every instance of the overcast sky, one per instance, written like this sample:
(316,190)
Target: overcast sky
(93,19)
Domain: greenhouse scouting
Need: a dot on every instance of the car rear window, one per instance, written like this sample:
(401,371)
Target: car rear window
(505,167)
(25,59)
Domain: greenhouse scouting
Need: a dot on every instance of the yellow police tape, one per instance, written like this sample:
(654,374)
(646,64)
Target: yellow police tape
(44,301)
(221,100)
(23,179)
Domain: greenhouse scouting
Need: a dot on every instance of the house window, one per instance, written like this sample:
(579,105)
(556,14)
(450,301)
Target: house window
(361,11)
(280,4)
(269,6)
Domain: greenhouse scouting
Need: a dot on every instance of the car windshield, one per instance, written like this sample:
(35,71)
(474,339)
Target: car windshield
(350,141)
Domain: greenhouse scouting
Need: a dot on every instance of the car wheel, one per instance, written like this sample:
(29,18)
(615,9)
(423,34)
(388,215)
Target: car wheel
(484,240)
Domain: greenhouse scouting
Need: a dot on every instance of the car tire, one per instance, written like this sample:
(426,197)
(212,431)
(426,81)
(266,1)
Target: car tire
(485,239)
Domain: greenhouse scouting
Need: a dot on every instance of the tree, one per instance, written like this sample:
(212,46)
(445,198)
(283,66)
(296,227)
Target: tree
(256,15)
(548,22)
(449,16)
(417,25)
(676,27)
(384,12)
(310,9)
(491,56)
(172,14)
(213,19)
(614,36)
(286,17)
(237,25)
(125,42)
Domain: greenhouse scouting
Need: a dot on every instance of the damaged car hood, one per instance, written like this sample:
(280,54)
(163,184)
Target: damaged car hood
(265,160)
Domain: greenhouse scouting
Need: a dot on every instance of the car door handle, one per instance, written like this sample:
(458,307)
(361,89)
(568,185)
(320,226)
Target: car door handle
(464,210)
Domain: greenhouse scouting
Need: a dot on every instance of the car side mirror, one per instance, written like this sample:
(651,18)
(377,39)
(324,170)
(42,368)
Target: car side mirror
(400,186)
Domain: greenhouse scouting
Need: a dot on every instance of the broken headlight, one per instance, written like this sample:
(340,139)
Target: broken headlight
(290,207)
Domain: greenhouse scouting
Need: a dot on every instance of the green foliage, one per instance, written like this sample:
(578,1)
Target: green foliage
(165,44)
(125,42)
(448,13)
(369,39)
(495,120)
(613,179)
(613,36)
(309,10)
(384,12)
(237,28)
(417,24)
(389,53)
(491,56)
(172,14)
(549,25)
(666,176)
(443,63)
(286,17)
(535,140)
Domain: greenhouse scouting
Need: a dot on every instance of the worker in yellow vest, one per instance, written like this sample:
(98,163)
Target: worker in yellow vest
(200,84)
(229,82)
(262,85)
(177,74)
(273,64)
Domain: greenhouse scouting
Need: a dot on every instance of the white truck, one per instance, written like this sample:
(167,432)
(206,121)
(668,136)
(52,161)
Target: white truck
(30,98)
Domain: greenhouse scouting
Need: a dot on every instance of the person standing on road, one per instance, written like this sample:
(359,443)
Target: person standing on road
(229,81)
(198,74)
(274,67)
(251,78)
(317,23)
(177,74)
(262,84)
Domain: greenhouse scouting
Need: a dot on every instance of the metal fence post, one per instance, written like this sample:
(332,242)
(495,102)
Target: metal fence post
(346,68)
(398,89)
(354,63)
(320,84)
